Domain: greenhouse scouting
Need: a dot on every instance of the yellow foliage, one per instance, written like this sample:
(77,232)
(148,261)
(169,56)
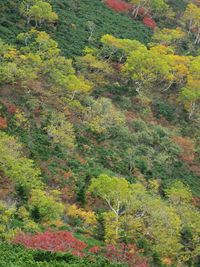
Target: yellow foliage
(88,217)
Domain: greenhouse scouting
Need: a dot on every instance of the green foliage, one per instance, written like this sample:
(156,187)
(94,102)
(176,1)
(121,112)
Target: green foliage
(101,116)
(71,31)
(136,210)
(37,10)
(111,112)
(17,256)
(20,169)
(61,131)
(45,207)
(6,218)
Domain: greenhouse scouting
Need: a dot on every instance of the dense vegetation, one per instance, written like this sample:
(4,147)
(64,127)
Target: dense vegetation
(99,133)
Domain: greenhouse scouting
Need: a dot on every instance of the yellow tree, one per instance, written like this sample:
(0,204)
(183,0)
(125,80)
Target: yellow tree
(191,18)
(115,192)
(190,93)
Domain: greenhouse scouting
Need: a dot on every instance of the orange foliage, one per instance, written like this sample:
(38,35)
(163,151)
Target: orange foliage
(167,261)
(11,108)
(3,123)
(196,201)
(187,146)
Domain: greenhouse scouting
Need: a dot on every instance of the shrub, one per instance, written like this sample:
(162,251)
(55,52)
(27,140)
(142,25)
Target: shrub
(125,254)
(118,5)
(3,123)
(149,22)
(61,241)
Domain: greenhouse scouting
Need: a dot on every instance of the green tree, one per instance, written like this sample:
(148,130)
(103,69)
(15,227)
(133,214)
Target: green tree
(7,214)
(115,192)
(61,130)
(154,6)
(101,116)
(191,18)
(20,169)
(168,36)
(38,10)
(45,206)
(190,93)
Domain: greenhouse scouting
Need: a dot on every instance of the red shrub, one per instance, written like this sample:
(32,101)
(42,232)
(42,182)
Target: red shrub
(142,12)
(95,249)
(61,241)
(37,111)
(149,22)
(12,109)
(188,149)
(125,254)
(3,123)
(119,5)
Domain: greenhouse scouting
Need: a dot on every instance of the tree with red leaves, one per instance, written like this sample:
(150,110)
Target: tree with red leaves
(119,5)
(61,241)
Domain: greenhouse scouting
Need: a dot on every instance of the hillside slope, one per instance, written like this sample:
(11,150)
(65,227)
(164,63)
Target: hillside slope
(99,133)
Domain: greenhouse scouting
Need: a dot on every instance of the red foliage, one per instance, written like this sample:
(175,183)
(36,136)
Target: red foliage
(37,111)
(3,123)
(125,254)
(61,241)
(188,150)
(149,22)
(119,5)
(142,12)
(196,201)
(95,249)
(12,109)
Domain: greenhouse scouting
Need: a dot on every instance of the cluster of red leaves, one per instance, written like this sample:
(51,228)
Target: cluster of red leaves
(37,111)
(196,201)
(149,22)
(3,123)
(11,108)
(122,6)
(119,5)
(188,150)
(61,241)
(125,254)
(95,250)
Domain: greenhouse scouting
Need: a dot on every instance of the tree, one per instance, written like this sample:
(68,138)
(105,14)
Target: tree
(163,228)
(38,61)
(7,214)
(20,169)
(155,7)
(191,18)
(61,130)
(37,10)
(179,193)
(45,207)
(115,192)
(190,93)
(181,197)
(168,36)
(87,218)
(94,68)
(136,212)
(145,67)
(101,116)
(112,45)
